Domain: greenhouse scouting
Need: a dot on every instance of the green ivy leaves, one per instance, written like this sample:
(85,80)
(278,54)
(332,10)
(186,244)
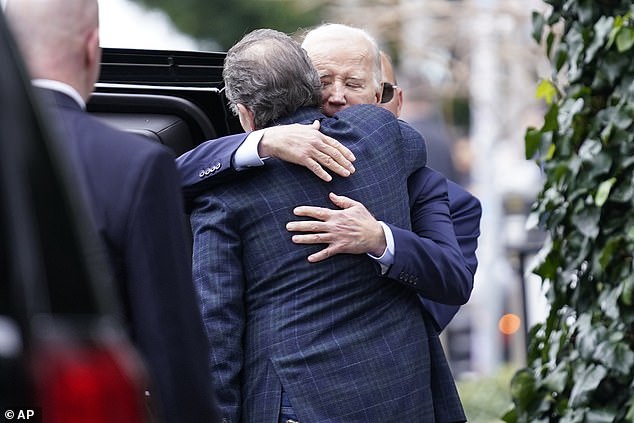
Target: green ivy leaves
(622,33)
(581,360)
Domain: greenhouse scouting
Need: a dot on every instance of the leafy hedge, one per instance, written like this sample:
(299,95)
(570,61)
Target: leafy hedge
(581,360)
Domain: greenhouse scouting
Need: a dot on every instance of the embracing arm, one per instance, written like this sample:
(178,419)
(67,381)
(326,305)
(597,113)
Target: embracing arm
(212,162)
(429,255)
(208,164)
(466,212)
(219,282)
(427,259)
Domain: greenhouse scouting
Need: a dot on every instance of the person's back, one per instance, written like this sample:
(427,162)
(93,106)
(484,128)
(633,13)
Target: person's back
(132,189)
(327,326)
(334,337)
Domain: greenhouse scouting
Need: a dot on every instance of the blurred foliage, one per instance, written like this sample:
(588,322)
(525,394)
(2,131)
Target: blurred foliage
(225,22)
(485,399)
(581,359)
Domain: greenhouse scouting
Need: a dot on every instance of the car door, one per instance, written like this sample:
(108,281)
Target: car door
(173,97)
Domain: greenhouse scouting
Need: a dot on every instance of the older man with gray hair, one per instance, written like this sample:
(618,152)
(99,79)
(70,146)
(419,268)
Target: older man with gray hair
(348,61)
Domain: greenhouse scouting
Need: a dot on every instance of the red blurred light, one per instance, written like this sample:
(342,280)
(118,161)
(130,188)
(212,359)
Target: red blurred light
(88,385)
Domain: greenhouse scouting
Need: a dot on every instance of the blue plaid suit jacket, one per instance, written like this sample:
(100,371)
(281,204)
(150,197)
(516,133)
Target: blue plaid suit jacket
(345,344)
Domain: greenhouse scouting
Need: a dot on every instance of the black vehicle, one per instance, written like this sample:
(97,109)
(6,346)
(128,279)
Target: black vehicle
(173,97)
(64,356)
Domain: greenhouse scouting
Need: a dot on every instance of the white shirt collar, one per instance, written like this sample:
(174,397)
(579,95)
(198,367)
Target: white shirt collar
(61,87)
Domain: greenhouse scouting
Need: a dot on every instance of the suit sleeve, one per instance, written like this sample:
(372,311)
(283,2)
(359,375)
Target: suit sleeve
(428,257)
(207,165)
(162,296)
(219,281)
(466,212)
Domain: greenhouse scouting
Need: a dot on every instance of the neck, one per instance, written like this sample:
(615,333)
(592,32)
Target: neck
(62,87)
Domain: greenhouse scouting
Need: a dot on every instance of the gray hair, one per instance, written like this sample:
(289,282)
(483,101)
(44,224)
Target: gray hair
(270,74)
(326,29)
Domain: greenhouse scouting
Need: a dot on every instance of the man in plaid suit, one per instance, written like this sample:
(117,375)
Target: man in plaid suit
(314,342)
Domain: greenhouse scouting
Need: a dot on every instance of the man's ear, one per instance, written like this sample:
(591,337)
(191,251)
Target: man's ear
(378,94)
(92,58)
(247,117)
(399,101)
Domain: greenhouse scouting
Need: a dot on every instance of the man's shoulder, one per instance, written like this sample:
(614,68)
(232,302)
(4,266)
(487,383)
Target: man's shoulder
(304,115)
(463,200)
(110,154)
(366,111)
(117,140)
(361,121)
(93,139)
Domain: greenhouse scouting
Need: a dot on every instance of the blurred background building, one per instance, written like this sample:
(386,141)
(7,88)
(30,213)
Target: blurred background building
(469,69)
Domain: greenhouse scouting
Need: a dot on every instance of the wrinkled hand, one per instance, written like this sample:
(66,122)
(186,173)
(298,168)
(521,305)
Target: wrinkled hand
(306,146)
(351,230)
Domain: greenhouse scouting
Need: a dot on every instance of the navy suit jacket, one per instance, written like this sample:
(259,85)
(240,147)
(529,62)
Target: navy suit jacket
(334,335)
(417,254)
(465,210)
(132,188)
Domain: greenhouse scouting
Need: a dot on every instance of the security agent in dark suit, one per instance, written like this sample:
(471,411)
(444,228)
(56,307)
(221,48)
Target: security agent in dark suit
(328,341)
(132,188)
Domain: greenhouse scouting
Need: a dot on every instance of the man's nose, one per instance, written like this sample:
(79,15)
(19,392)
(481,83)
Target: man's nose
(337,93)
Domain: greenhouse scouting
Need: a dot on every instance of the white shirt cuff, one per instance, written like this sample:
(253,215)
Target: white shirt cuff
(387,258)
(247,154)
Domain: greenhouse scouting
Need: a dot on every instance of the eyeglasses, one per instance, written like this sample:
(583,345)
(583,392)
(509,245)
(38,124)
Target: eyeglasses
(388,92)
